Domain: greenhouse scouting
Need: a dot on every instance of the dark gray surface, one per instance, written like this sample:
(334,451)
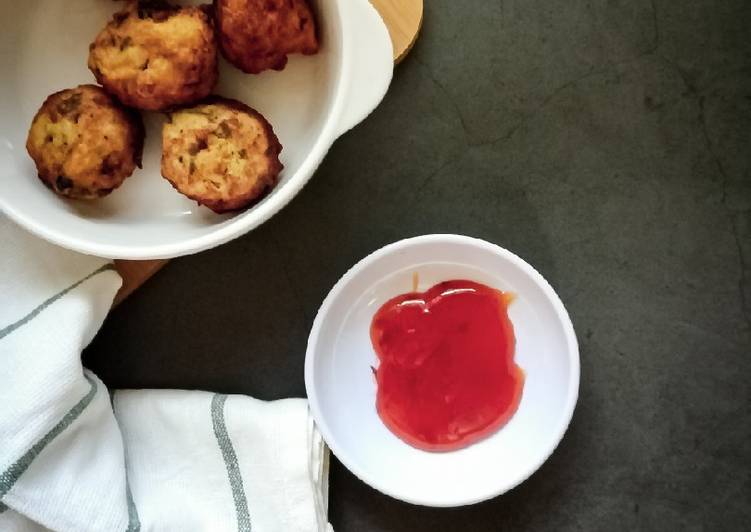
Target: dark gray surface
(607,143)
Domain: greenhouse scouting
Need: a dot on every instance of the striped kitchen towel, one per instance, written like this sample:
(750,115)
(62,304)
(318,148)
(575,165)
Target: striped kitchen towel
(75,458)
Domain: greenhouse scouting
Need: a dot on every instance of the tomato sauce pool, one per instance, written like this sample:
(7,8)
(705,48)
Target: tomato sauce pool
(447,376)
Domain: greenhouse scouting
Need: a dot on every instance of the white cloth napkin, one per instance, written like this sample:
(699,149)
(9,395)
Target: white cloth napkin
(73,458)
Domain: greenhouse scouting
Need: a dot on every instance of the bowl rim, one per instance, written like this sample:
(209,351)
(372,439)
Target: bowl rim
(572,347)
(243,222)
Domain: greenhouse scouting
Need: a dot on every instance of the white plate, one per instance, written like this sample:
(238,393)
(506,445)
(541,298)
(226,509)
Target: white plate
(341,388)
(44,48)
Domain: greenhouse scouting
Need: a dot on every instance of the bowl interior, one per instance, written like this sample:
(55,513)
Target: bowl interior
(44,48)
(342,389)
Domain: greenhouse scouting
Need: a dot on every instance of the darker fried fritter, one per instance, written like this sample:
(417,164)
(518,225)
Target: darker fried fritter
(255,35)
(221,153)
(154,56)
(84,143)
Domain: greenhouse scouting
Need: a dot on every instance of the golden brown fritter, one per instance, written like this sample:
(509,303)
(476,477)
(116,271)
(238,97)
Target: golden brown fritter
(255,35)
(84,143)
(221,153)
(153,56)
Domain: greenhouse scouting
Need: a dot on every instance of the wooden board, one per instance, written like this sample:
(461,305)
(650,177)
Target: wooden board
(403,19)
(134,274)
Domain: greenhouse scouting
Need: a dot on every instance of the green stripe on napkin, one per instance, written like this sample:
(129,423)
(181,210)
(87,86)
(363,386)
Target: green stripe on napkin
(134,523)
(230,461)
(14,472)
(5,331)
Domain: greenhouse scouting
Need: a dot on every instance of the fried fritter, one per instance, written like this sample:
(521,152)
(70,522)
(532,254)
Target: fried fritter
(221,153)
(255,35)
(154,56)
(84,143)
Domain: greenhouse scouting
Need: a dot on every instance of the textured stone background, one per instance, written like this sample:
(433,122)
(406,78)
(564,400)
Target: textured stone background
(607,143)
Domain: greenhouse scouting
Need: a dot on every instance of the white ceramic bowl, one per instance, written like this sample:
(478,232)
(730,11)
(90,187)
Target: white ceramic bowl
(315,99)
(341,388)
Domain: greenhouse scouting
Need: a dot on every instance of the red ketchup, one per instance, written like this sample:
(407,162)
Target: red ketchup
(447,376)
